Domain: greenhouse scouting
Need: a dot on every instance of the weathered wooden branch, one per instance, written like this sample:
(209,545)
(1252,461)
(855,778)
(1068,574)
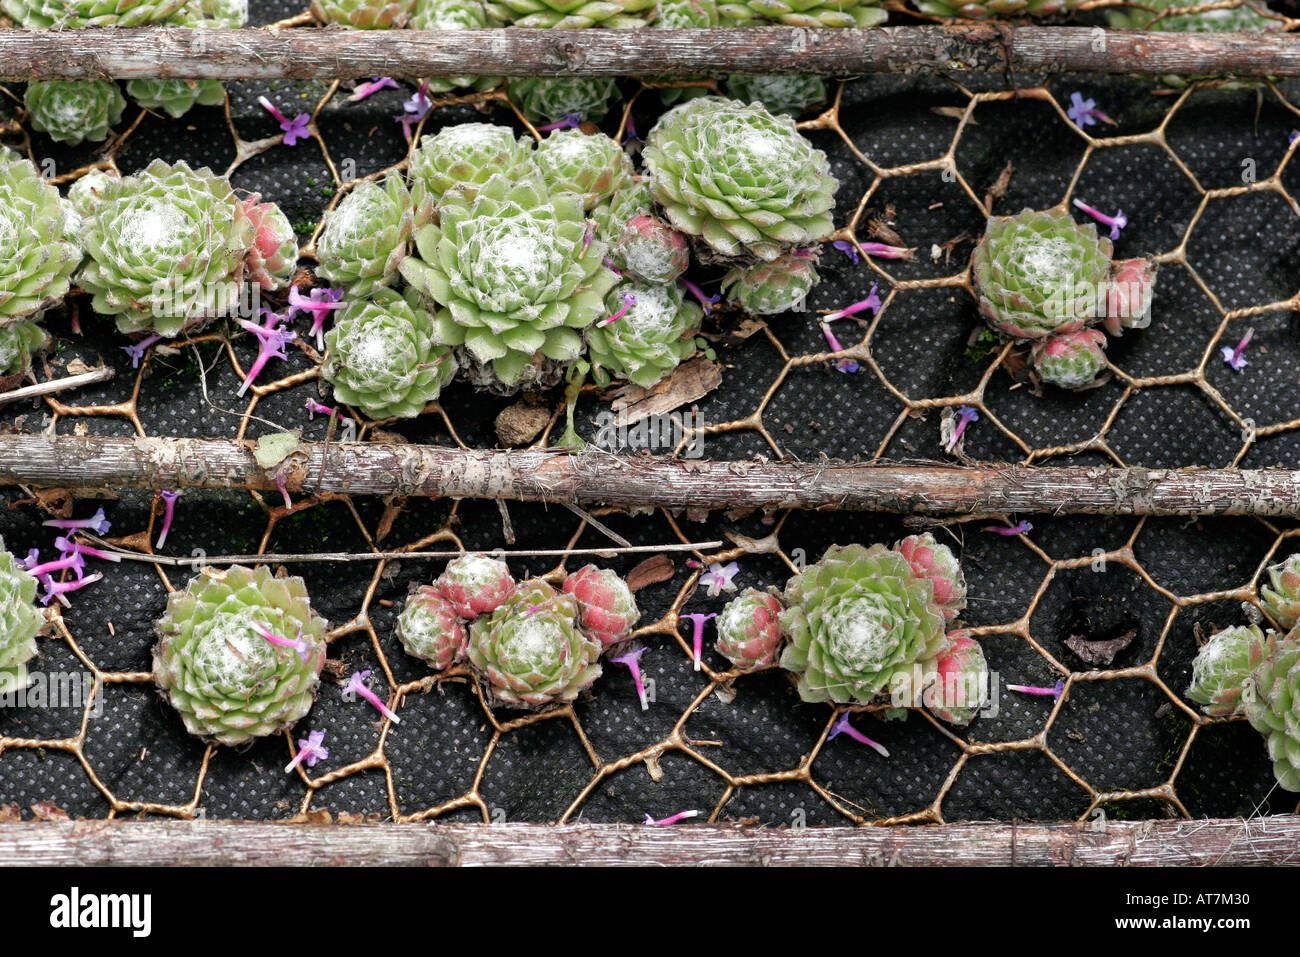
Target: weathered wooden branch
(1260,841)
(304,53)
(96,462)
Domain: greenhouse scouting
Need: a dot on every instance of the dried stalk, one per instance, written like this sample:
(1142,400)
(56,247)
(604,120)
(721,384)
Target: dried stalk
(95,462)
(343,54)
(57,385)
(1271,840)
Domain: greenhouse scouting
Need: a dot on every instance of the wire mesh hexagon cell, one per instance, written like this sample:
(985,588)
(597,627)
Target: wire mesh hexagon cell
(923,160)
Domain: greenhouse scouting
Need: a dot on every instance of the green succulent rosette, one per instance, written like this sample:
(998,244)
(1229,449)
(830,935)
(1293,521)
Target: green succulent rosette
(593,166)
(165,249)
(577,14)
(683,15)
(652,337)
(455,15)
(780,93)
(363,14)
(38,247)
(1222,667)
(994,9)
(857,620)
(1071,360)
(513,274)
(1038,273)
(430,630)
(87,190)
(367,236)
(464,157)
(745,181)
(1281,597)
(803,13)
(73,111)
(1271,701)
(531,650)
(227,681)
(176,97)
(64,14)
(633,198)
(545,99)
(383,358)
(20,621)
(767,289)
(18,340)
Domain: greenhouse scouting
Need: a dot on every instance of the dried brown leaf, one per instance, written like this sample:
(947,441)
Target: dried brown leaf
(658,568)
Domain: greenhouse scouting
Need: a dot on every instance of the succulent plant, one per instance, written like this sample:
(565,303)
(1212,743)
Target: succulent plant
(1222,667)
(959,685)
(576,14)
(1282,599)
(650,250)
(20,621)
(1238,19)
(779,93)
(1129,295)
(647,342)
(430,629)
(475,584)
(88,189)
(38,251)
(1038,273)
(18,340)
(803,13)
(531,650)
(593,166)
(514,276)
(71,111)
(681,15)
(465,157)
(935,562)
(994,9)
(176,97)
(383,358)
(629,201)
(213,661)
(745,181)
(367,236)
(607,608)
(363,14)
(749,629)
(1071,360)
(455,15)
(766,289)
(545,99)
(165,249)
(856,619)
(273,254)
(60,14)
(1271,701)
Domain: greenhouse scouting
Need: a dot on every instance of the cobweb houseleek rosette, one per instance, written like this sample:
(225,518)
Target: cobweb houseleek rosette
(1038,274)
(61,14)
(20,622)
(607,609)
(464,157)
(591,165)
(1281,597)
(455,15)
(749,629)
(74,111)
(654,333)
(858,620)
(515,275)
(1223,666)
(429,628)
(547,99)
(38,246)
(531,650)
(744,181)
(363,14)
(1271,702)
(165,249)
(578,14)
(802,13)
(229,682)
(995,9)
(770,288)
(366,237)
(18,341)
(383,358)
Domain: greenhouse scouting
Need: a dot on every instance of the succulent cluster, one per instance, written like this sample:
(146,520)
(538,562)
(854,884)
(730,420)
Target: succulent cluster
(168,248)
(994,9)
(217,666)
(532,645)
(1045,280)
(865,623)
(72,111)
(1246,670)
(20,622)
(39,252)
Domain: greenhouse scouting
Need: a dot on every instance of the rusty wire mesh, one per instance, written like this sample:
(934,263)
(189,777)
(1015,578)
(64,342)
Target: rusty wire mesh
(1207,177)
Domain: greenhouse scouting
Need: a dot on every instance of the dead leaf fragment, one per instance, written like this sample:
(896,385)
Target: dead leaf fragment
(658,568)
(1100,653)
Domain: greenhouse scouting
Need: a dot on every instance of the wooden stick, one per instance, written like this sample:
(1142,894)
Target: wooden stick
(96,462)
(57,385)
(1267,840)
(344,54)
